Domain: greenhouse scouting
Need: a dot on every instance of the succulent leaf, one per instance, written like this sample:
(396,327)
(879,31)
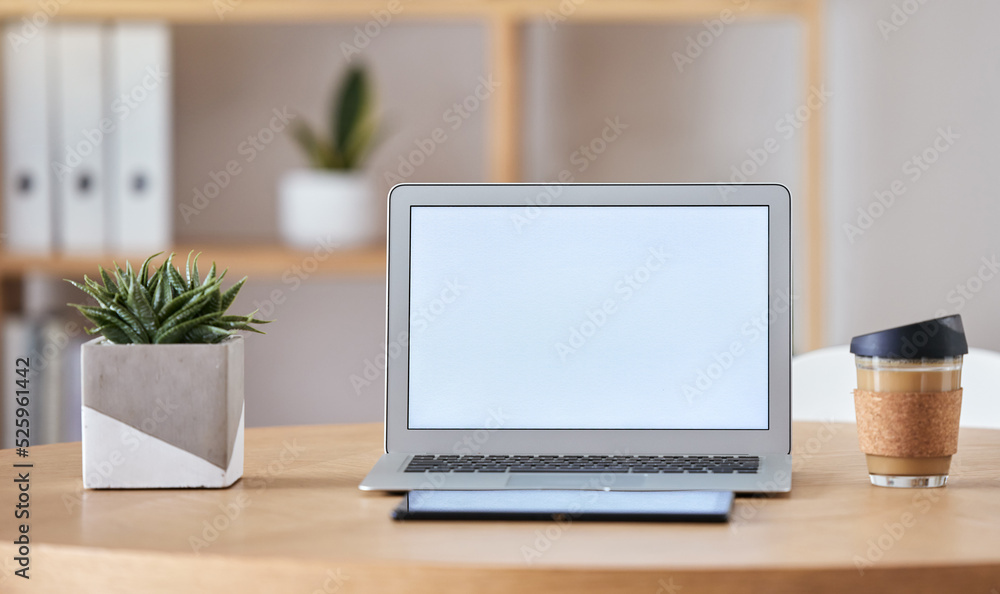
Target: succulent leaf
(353,126)
(321,154)
(119,276)
(170,334)
(112,333)
(230,295)
(176,280)
(349,107)
(131,321)
(193,273)
(214,301)
(191,309)
(97,288)
(161,294)
(210,276)
(99,298)
(139,301)
(175,304)
(144,271)
(356,145)
(105,319)
(236,326)
(206,334)
(109,284)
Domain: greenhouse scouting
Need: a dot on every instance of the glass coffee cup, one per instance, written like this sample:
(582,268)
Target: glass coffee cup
(909,399)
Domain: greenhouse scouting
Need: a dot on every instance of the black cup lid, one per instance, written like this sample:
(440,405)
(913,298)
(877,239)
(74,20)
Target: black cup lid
(932,339)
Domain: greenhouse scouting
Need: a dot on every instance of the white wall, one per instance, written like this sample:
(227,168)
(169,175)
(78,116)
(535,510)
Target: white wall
(890,96)
(939,70)
(690,123)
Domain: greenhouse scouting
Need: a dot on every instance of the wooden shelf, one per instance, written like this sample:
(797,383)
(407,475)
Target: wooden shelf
(254,260)
(205,11)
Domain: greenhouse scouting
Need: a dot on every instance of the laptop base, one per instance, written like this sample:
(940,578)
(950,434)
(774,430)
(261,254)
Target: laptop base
(774,476)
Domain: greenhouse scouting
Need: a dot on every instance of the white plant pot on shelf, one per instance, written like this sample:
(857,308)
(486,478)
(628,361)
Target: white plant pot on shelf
(162,416)
(318,207)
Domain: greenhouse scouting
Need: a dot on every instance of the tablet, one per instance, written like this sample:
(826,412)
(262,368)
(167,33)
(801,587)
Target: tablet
(632,506)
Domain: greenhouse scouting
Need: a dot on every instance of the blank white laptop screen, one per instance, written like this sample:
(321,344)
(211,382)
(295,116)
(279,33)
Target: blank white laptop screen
(588,317)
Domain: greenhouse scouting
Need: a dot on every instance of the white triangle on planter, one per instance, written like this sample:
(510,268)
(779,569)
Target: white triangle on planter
(119,456)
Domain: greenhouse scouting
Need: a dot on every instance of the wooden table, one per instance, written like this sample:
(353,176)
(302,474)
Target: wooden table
(297,523)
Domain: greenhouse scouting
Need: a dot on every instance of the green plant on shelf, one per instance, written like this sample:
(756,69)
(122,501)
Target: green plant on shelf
(353,126)
(163,307)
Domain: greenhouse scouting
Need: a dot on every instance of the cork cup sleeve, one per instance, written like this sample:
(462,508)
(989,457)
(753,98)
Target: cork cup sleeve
(909,425)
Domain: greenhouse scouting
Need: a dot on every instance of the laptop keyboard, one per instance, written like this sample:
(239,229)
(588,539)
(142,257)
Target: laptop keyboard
(616,464)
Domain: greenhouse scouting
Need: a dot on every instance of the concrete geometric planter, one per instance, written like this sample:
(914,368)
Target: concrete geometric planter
(162,416)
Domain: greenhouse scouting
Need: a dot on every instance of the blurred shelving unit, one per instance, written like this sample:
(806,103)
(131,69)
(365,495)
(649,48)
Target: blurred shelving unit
(504,20)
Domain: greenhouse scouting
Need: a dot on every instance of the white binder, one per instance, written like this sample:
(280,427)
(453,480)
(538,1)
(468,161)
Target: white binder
(82,129)
(16,332)
(140,87)
(27,187)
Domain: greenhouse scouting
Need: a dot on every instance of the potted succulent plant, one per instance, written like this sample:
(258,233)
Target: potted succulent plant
(163,385)
(332,200)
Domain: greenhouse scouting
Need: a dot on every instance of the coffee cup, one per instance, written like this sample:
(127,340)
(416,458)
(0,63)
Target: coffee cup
(909,400)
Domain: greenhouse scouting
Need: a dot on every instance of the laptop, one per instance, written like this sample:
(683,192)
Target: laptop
(592,336)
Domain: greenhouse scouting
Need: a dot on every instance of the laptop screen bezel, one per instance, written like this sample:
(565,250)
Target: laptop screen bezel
(775,439)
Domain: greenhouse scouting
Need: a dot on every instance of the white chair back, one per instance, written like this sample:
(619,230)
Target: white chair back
(823,382)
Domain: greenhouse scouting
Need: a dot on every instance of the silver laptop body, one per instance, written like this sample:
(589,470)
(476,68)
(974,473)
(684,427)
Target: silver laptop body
(597,336)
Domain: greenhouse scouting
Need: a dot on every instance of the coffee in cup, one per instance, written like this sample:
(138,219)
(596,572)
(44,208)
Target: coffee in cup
(909,399)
